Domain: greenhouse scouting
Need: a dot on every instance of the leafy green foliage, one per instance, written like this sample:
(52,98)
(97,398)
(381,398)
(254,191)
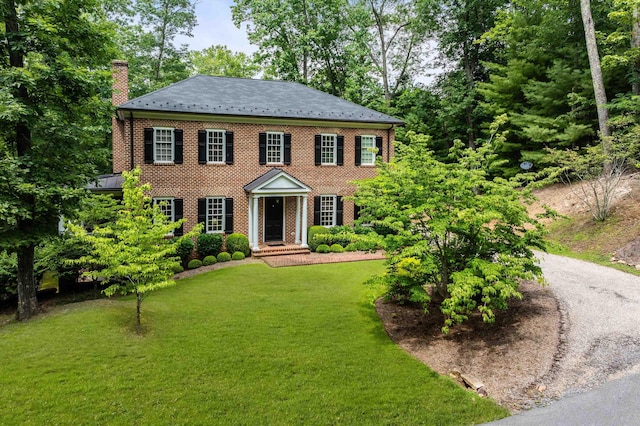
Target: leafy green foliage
(323,248)
(132,255)
(311,234)
(208,244)
(462,238)
(184,249)
(238,255)
(8,272)
(237,242)
(220,60)
(195,263)
(336,248)
(224,257)
(209,260)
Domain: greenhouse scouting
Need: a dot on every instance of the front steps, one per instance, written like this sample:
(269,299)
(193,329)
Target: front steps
(280,250)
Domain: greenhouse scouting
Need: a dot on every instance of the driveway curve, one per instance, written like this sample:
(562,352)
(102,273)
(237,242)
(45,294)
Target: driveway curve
(600,342)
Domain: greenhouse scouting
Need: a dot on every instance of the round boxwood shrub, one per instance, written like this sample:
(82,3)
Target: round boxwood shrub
(238,242)
(336,248)
(237,255)
(323,248)
(209,260)
(177,269)
(351,247)
(313,230)
(224,257)
(194,264)
(209,244)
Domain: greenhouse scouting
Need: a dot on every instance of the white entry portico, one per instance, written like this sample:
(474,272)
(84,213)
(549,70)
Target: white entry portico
(271,189)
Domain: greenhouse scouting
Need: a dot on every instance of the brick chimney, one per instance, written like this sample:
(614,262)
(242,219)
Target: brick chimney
(119,95)
(120,92)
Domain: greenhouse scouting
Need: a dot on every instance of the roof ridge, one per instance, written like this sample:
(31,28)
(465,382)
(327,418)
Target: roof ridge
(162,89)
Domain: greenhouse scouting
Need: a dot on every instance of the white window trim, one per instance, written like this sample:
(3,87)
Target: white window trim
(170,201)
(173,145)
(281,160)
(224,146)
(223,218)
(333,213)
(335,149)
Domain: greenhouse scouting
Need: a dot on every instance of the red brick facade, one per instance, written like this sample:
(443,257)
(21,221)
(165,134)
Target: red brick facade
(190,180)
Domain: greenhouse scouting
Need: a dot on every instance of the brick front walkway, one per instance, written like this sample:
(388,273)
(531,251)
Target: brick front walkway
(317,258)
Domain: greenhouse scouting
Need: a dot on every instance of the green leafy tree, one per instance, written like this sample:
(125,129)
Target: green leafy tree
(462,239)
(220,60)
(133,255)
(54,91)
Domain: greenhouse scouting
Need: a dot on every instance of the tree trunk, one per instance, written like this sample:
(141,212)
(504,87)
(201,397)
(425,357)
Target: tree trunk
(635,44)
(468,72)
(27,301)
(596,72)
(138,303)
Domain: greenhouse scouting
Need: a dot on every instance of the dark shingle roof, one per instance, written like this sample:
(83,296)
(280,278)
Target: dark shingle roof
(204,94)
(261,180)
(106,183)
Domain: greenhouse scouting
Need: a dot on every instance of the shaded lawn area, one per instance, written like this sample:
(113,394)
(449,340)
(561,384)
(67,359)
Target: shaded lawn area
(241,345)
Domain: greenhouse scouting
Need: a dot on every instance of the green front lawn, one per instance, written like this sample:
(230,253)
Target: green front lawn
(241,345)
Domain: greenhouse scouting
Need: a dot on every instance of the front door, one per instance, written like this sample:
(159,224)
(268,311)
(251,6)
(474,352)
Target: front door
(273,218)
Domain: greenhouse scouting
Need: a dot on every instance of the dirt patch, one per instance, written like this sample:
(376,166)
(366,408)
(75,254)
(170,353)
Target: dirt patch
(512,357)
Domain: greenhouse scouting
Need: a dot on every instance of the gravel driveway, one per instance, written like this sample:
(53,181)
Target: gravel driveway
(601,336)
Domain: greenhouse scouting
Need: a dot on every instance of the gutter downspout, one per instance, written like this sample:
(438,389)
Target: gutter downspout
(131,139)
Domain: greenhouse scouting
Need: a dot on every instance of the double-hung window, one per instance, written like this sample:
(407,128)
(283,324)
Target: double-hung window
(215,214)
(216,141)
(167,207)
(275,147)
(327,210)
(163,145)
(328,148)
(368,151)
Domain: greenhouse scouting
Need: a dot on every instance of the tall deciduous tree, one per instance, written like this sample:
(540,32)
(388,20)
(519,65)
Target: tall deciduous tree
(133,254)
(220,60)
(54,93)
(596,70)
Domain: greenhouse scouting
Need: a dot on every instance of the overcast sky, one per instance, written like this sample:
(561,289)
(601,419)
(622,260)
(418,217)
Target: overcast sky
(215,27)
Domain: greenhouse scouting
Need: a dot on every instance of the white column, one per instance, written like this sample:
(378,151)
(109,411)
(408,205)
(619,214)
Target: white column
(298,219)
(304,221)
(256,246)
(250,216)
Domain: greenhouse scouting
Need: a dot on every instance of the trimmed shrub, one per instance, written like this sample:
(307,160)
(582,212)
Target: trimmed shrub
(336,248)
(224,257)
(184,249)
(177,269)
(323,248)
(237,255)
(209,244)
(313,231)
(194,264)
(238,242)
(209,260)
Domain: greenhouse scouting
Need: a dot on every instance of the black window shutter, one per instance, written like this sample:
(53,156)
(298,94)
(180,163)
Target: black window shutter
(340,150)
(358,150)
(229,148)
(316,210)
(177,215)
(148,146)
(202,147)
(379,145)
(356,212)
(339,210)
(318,151)
(202,211)
(228,215)
(262,146)
(287,149)
(177,146)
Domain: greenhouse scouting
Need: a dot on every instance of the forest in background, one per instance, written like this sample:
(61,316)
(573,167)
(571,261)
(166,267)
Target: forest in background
(525,61)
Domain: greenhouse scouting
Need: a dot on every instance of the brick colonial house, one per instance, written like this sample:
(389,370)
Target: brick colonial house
(263,158)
